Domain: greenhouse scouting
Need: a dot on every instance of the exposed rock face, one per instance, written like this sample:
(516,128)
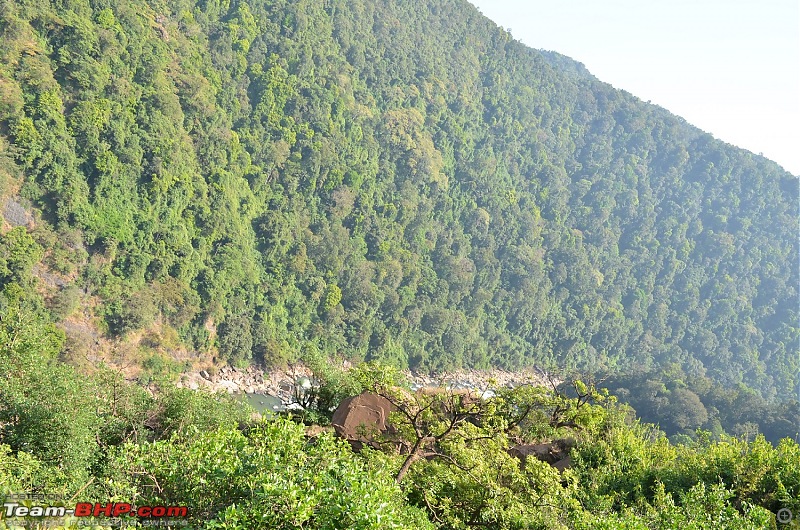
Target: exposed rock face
(563,464)
(278,383)
(283,384)
(480,381)
(360,419)
(16,214)
(555,453)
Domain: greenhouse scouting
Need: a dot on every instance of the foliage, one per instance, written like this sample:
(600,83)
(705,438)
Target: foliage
(201,450)
(45,411)
(18,472)
(700,507)
(236,341)
(401,183)
(331,383)
(622,475)
(481,485)
(178,410)
(270,477)
(638,468)
(422,191)
(18,254)
(683,403)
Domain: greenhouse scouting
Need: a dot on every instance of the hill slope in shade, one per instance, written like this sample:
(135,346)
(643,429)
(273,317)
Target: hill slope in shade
(385,180)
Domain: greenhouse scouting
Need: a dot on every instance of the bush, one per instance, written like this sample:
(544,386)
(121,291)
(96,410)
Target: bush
(180,410)
(272,477)
(44,407)
(236,341)
(65,302)
(131,313)
(18,254)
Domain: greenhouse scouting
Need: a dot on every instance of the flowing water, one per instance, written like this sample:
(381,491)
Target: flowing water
(263,403)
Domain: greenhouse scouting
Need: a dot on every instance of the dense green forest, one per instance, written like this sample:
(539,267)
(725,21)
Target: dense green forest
(394,181)
(402,182)
(102,439)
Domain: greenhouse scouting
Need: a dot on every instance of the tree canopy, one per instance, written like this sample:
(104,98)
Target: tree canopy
(394,181)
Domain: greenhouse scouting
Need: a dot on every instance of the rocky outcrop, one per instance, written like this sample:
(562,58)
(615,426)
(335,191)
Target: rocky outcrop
(361,419)
(481,382)
(16,214)
(555,453)
(278,383)
(283,384)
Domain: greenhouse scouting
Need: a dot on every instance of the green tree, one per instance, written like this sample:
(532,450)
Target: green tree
(227,478)
(18,254)
(45,410)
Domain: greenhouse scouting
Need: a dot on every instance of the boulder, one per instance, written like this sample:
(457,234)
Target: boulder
(360,419)
(539,451)
(228,386)
(563,464)
(555,453)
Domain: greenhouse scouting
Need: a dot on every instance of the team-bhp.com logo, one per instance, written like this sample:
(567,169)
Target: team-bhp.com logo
(114,510)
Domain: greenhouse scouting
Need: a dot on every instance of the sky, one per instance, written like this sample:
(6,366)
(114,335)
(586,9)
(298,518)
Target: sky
(731,68)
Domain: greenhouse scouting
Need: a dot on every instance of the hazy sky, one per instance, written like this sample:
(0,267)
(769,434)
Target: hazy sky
(730,67)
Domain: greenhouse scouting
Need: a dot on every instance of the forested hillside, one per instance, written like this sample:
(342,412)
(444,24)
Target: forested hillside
(395,180)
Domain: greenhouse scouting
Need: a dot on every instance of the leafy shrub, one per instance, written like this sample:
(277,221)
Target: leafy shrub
(271,477)
(130,313)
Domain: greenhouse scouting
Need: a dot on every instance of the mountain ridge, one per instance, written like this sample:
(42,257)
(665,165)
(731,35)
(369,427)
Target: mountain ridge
(393,181)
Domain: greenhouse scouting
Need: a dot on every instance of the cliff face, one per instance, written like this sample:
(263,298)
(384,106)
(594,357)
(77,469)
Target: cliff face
(393,180)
